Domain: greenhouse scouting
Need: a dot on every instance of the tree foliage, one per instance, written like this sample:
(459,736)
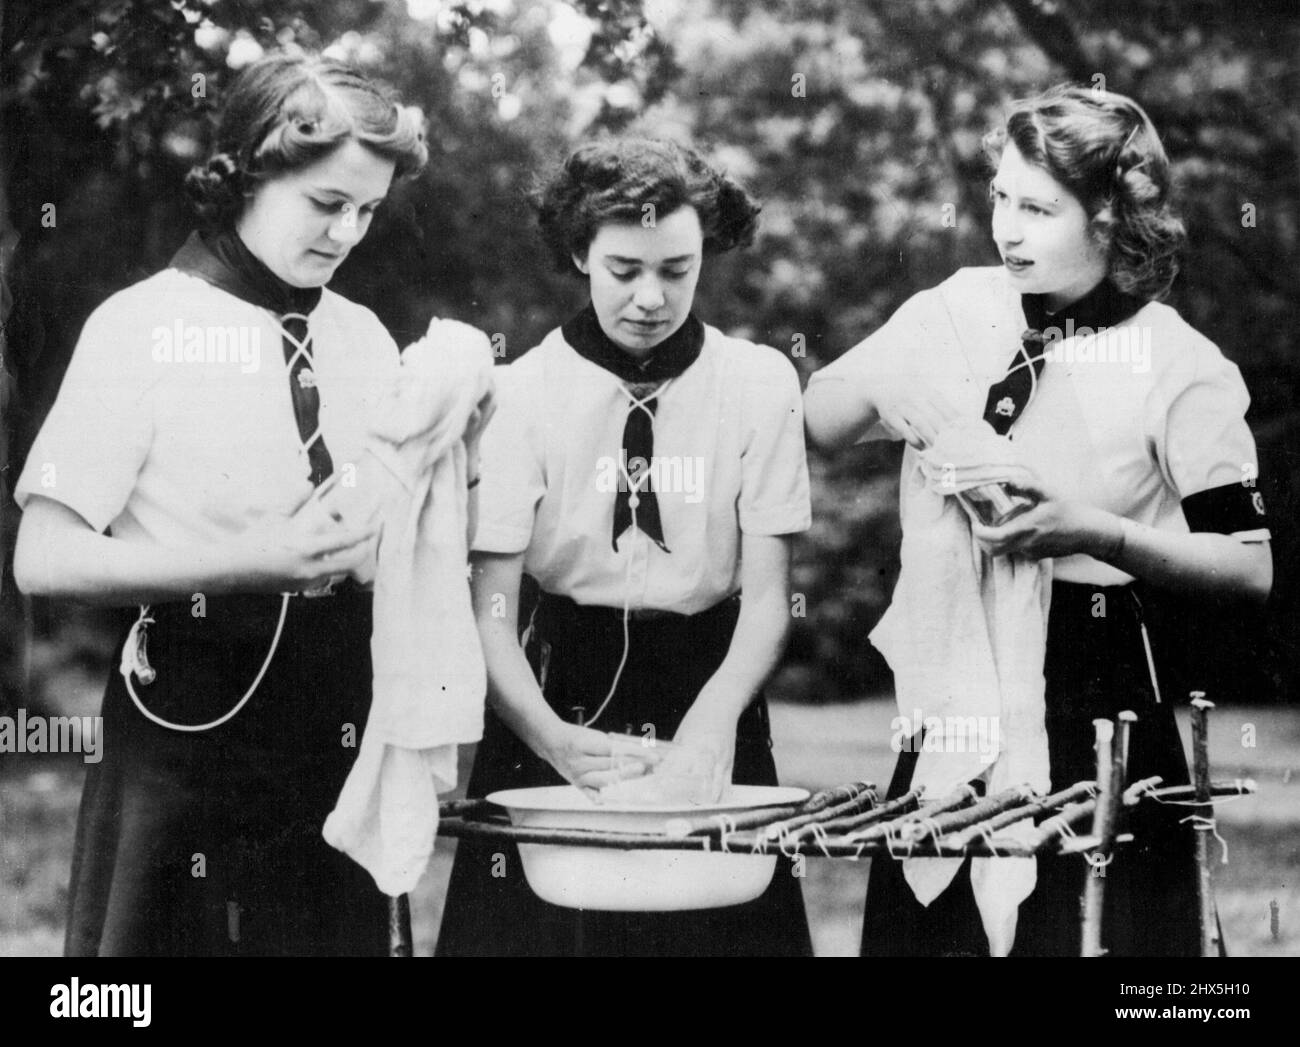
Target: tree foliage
(858,124)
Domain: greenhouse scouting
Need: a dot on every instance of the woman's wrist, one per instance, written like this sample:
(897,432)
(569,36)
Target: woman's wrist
(238,565)
(1110,540)
(541,732)
(717,709)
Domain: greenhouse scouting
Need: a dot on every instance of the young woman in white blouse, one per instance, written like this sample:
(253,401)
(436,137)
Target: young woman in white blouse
(648,471)
(1142,468)
(202,410)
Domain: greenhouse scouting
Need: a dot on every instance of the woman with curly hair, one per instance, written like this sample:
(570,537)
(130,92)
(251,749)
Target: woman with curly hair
(647,471)
(1104,465)
(203,410)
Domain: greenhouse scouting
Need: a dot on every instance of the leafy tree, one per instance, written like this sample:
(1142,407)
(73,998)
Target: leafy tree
(858,124)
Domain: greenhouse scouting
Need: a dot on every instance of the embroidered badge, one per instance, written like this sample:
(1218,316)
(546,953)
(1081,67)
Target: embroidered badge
(307,378)
(1006,407)
(1257,500)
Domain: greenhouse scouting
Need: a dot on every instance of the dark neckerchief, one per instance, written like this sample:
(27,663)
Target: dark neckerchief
(670,358)
(1104,306)
(224,260)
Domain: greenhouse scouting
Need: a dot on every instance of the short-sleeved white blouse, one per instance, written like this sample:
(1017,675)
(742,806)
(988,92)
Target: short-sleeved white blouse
(1135,420)
(728,436)
(174,423)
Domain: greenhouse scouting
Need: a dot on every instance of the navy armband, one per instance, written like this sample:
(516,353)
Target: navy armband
(1229,509)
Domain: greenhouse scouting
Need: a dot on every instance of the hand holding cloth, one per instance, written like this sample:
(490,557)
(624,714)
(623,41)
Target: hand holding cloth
(966,638)
(429,675)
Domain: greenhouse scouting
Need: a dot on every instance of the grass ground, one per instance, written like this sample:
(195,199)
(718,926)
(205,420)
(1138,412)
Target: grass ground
(1258,891)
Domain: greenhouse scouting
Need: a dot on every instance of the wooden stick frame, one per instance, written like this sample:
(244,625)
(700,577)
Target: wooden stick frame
(850,822)
(878,840)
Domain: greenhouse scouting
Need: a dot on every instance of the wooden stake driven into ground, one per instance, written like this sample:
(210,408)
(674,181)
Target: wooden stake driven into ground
(1112,770)
(1102,812)
(1203,822)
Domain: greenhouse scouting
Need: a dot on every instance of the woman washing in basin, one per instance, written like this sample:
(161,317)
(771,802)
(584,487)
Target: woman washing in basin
(648,471)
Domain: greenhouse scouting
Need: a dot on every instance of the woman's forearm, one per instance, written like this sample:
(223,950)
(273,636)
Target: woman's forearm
(96,569)
(759,636)
(513,691)
(755,650)
(1204,563)
(59,554)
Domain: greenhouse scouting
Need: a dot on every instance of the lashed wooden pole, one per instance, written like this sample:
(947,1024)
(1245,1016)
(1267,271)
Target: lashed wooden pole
(851,823)
(1094,888)
(1142,787)
(977,812)
(960,797)
(1060,825)
(872,842)
(817,805)
(1203,822)
(469,808)
(1017,814)
(1176,793)
(864,797)
(1127,719)
(399,926)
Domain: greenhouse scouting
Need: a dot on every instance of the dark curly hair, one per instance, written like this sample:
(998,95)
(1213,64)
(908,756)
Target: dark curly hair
(283,112)
(613,179)
(1103,147)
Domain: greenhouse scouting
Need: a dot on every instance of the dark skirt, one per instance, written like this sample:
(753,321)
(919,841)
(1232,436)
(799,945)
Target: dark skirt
(1096,666)
(209,843)
(575,652)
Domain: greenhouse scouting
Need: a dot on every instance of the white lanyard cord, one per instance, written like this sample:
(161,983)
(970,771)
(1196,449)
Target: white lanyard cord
(132,650)
(133,663)
(634,490)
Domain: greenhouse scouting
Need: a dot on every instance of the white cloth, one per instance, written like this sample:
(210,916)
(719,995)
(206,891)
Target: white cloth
(429,676)
(966,636)
(728,433)
(184,452)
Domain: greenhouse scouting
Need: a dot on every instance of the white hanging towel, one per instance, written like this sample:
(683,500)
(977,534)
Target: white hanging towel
(429,675)
(965,636)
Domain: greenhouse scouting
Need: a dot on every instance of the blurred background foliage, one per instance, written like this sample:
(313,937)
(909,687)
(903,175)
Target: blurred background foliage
(857,123)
